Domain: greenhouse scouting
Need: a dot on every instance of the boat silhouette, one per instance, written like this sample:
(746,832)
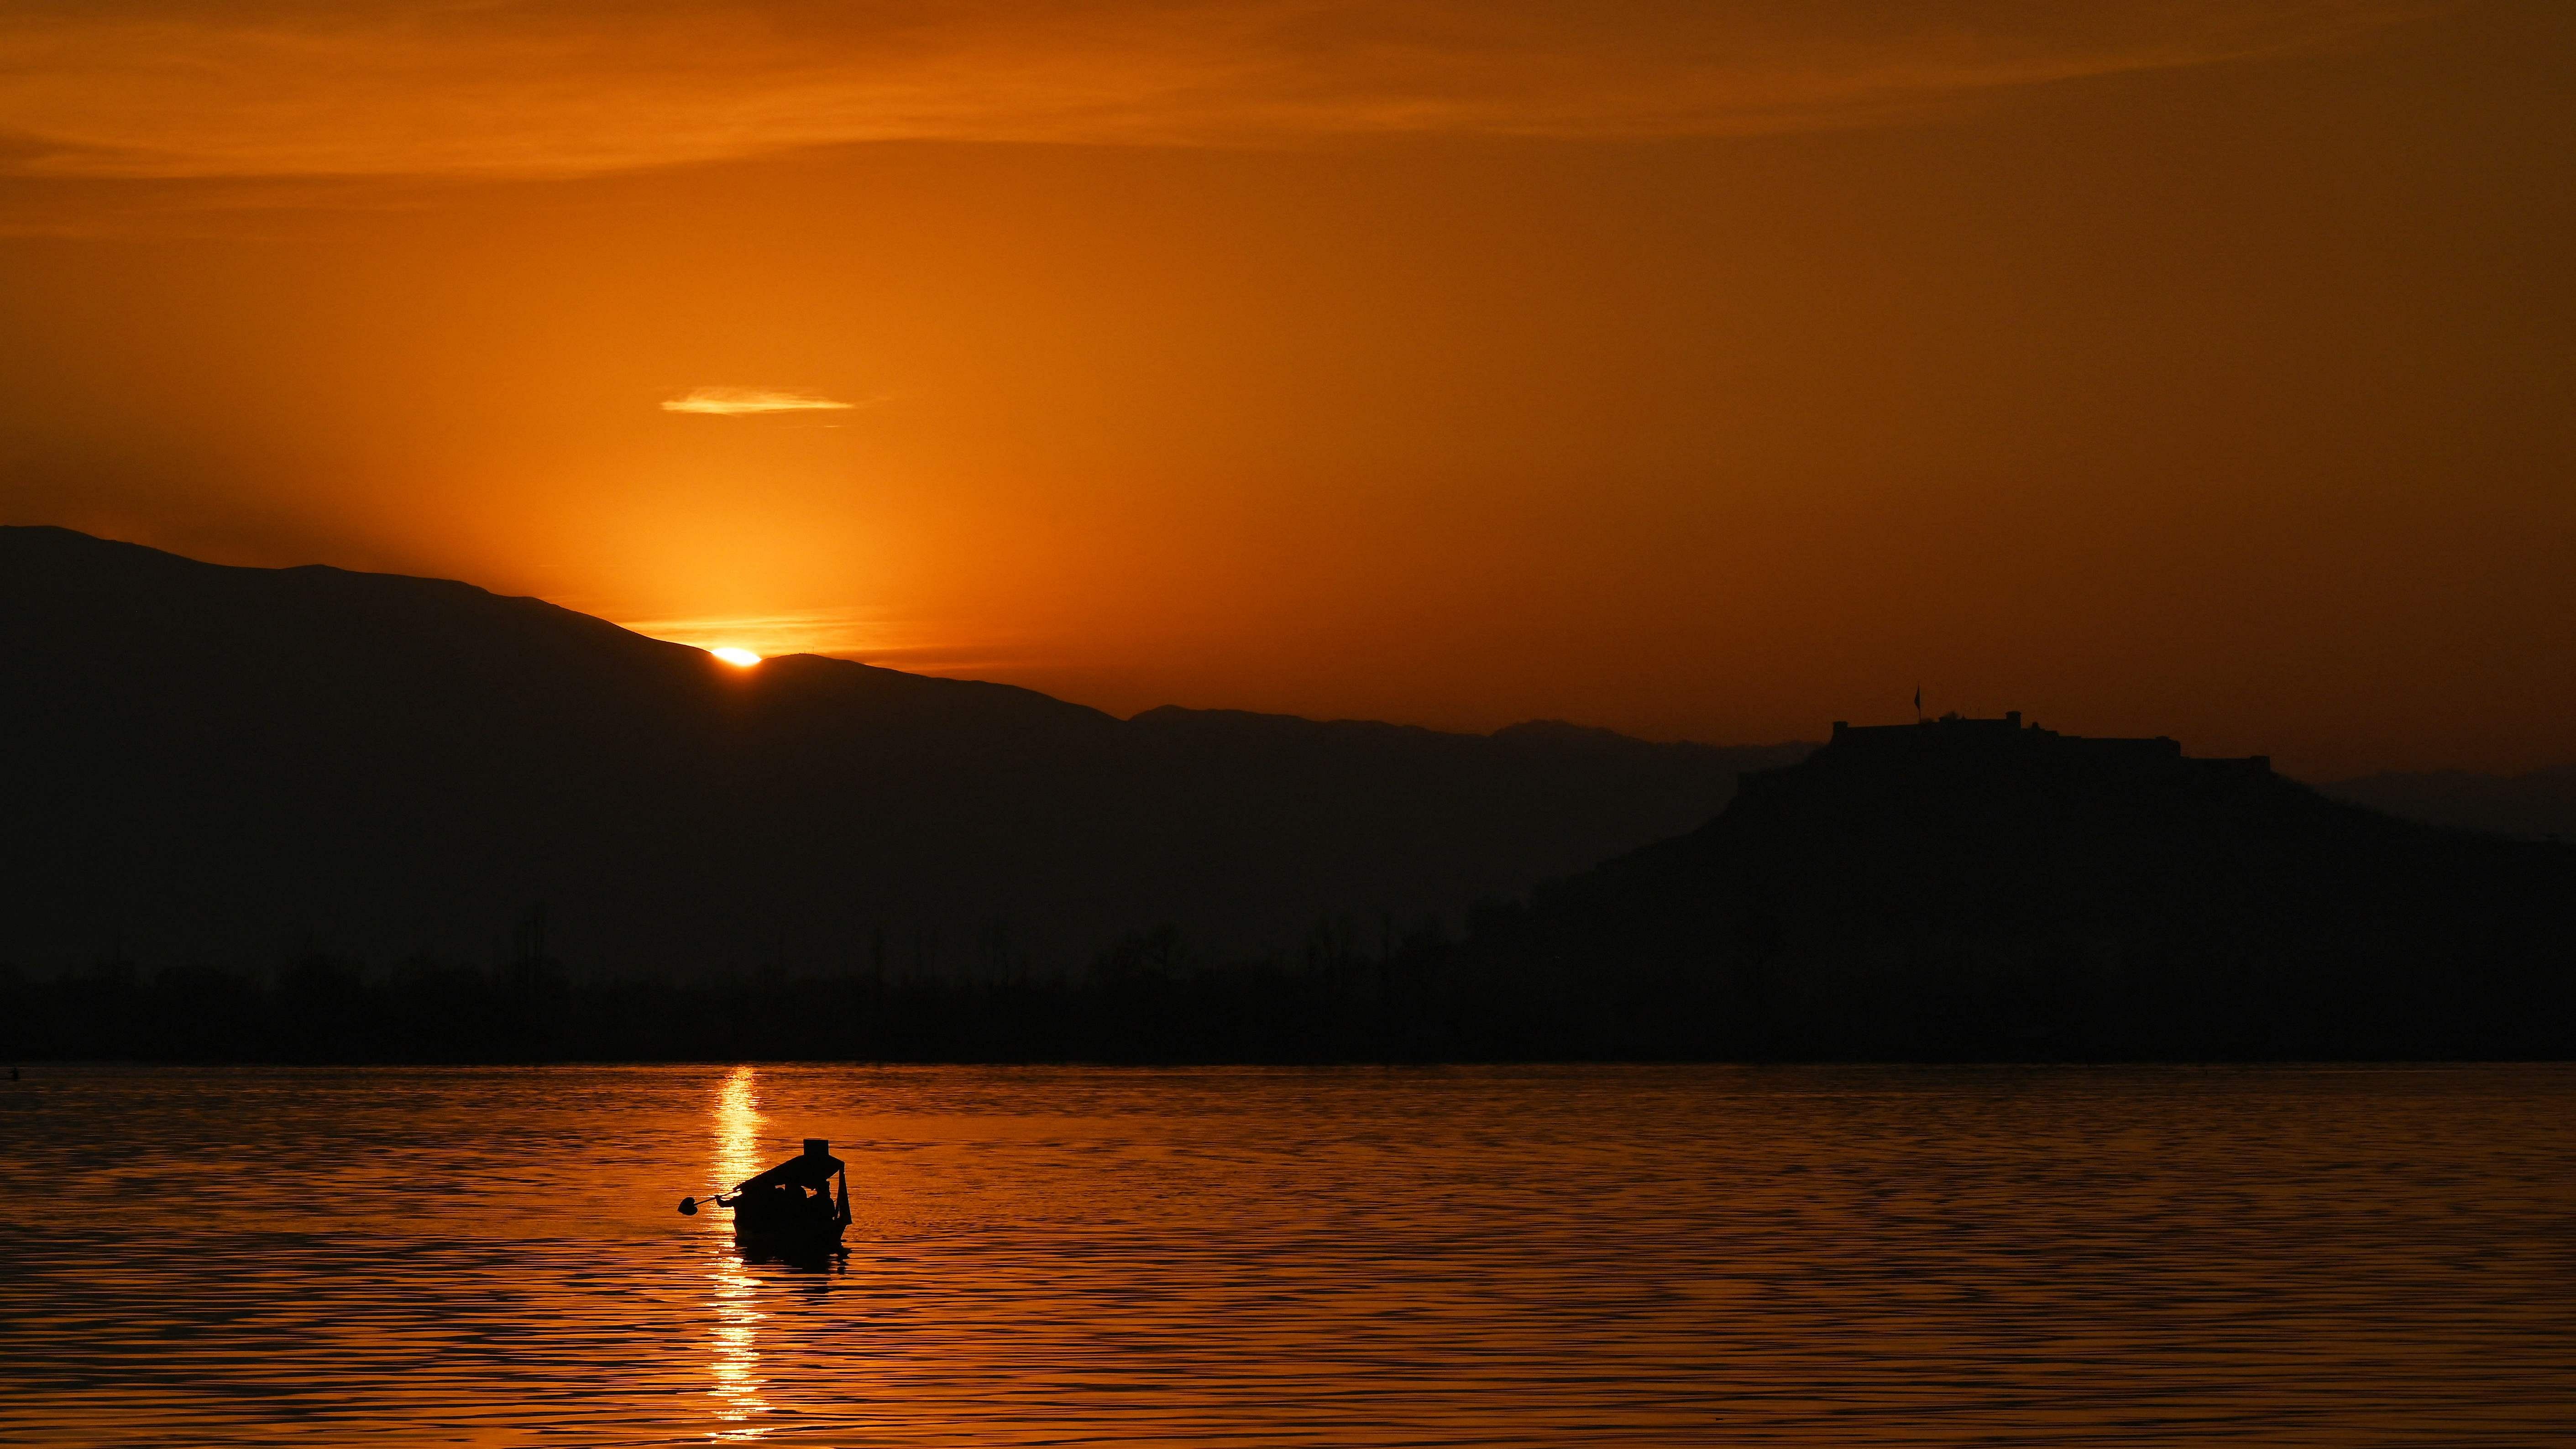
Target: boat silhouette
(796,1210)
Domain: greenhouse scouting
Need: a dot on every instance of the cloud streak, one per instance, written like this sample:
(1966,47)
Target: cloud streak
(738,402)
(372,88)
(847,634)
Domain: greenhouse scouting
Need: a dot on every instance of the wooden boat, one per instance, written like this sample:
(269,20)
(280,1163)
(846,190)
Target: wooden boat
(796,1210)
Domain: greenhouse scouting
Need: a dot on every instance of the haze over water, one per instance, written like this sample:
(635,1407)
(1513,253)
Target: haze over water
(1363,1256)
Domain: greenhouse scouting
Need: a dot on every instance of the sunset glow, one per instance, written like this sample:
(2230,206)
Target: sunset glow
(1705,372)
(1495,721)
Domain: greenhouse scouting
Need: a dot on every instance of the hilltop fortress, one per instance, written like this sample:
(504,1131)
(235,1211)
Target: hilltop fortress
(1957,733)
(1955,752)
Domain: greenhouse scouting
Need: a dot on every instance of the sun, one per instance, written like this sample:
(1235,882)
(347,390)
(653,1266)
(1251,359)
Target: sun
(740,657)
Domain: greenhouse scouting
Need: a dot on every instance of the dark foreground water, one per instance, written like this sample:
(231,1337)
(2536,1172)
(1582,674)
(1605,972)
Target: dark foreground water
(1541,1257)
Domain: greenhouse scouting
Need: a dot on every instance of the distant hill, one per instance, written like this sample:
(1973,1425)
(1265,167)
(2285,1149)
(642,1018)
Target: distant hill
(231,766)
(2534,806)
(1981,889)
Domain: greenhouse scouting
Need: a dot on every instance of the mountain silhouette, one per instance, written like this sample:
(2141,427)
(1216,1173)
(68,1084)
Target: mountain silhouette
(231,766)
(1988,889)
(2535,805)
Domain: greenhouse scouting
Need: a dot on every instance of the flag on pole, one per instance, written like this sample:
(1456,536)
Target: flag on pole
(1918,701)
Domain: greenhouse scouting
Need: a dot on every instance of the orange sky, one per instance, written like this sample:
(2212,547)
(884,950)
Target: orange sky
(1702,370)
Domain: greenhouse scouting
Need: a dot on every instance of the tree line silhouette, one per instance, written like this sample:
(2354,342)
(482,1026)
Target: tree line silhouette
(1529,980)
(1144,999)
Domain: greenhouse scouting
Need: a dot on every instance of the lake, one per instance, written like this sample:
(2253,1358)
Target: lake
(1536,1256)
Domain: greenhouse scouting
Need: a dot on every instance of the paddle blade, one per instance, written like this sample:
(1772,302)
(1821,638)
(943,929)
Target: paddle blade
(688,1207)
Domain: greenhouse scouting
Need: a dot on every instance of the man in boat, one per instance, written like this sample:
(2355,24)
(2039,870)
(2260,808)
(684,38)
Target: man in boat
(793,1204)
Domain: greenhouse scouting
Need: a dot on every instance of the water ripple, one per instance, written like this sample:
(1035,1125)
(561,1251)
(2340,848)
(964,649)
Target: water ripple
(1432,1257)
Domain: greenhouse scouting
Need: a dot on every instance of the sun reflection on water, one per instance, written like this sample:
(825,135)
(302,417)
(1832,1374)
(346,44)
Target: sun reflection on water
(737,1128)
(733,1347)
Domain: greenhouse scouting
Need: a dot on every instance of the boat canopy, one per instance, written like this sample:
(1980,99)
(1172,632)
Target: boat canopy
(815,1169)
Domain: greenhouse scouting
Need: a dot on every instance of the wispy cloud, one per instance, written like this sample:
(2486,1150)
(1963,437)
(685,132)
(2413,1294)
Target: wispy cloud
(375,88)
(736,402)
(847,633)
(913,645)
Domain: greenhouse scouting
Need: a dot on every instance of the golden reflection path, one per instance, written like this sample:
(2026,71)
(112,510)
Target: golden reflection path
(733,1356)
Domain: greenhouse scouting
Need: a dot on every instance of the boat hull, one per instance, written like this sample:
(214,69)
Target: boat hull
(788,1242)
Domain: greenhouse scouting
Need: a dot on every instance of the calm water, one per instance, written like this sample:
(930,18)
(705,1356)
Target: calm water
(1541,1257)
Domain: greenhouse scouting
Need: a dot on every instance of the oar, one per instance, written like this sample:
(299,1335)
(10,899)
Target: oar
(689,1205)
